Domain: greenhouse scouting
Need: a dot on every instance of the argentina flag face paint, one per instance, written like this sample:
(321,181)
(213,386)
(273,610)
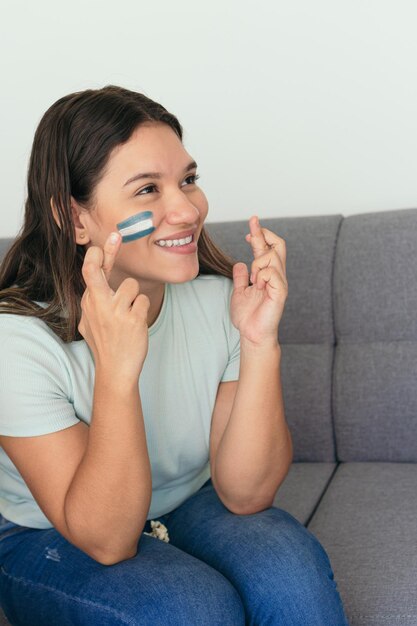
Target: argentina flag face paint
(136,226)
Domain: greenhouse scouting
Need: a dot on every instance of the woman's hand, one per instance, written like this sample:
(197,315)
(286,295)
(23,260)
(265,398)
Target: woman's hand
(114,324)
(256,310)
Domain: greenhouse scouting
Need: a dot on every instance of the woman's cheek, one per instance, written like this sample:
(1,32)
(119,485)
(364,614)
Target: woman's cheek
(202,203)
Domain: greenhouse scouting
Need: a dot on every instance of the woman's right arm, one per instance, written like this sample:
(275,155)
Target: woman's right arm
(107,502)
(94,483)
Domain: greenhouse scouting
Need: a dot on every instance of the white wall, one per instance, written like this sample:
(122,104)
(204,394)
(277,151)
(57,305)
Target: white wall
(290,107)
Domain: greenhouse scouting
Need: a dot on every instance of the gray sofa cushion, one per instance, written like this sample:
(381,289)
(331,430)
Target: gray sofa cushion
(367,523)
(375,295)
(302,489)
(306,329)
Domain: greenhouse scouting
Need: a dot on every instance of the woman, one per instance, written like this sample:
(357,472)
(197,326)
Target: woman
(140,393)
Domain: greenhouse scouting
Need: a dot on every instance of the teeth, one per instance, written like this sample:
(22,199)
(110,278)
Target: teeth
(174,242)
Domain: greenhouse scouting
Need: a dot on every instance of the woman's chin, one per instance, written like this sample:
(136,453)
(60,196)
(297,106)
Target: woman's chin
(183,275)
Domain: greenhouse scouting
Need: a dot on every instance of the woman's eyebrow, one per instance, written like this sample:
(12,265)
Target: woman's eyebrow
(189,167)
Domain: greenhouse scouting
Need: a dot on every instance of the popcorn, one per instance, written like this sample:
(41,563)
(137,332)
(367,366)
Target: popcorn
(159,531)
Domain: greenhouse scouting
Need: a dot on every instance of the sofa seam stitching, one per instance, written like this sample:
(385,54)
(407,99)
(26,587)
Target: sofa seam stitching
(326,487)
(332,381)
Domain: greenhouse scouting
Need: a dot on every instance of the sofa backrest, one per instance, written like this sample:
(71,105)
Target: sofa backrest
(348,332)
(375,304)
(306,331)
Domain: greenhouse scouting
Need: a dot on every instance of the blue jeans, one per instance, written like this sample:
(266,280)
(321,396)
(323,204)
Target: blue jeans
(218,569)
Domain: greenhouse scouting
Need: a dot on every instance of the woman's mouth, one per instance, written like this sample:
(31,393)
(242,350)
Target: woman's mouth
(178,246)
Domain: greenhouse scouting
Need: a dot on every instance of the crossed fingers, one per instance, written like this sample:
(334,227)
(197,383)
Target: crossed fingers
(268,249)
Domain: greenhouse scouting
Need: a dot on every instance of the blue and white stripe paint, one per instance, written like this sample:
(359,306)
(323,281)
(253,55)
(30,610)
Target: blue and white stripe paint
(137,226)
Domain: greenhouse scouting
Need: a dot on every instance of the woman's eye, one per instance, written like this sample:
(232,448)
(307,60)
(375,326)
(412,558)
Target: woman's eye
(194,177)
(150,188)
(141,192)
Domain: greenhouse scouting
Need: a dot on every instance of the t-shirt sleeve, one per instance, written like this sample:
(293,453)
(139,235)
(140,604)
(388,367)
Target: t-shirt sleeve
(35,391)
(231,371)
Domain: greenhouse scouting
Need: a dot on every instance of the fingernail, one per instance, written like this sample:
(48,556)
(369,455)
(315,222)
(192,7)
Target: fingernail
(114,237)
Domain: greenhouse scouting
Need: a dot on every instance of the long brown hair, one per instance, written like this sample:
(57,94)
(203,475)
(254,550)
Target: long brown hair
(71,146)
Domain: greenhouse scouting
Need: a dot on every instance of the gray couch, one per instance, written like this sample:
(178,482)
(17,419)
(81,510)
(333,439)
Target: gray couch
(349,374)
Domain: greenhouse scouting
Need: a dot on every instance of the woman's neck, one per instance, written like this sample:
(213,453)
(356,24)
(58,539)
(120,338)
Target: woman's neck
(156,299)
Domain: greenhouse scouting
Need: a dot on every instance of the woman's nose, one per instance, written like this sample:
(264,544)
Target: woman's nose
(181,209)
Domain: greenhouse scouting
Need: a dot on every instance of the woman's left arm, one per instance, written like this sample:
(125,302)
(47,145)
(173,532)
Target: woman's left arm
(254,453)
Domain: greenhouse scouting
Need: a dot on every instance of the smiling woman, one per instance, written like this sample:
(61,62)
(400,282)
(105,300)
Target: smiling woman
(140,379)
(78,139)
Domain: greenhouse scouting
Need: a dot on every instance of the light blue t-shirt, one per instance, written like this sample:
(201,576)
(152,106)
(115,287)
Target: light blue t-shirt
(47,385)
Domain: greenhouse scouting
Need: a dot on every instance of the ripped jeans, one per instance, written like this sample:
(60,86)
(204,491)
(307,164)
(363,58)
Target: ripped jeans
(218,569)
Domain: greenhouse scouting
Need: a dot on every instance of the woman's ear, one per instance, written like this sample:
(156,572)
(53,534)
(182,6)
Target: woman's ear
(80,232)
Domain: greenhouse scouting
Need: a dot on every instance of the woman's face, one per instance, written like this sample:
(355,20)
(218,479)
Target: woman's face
(176,201)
